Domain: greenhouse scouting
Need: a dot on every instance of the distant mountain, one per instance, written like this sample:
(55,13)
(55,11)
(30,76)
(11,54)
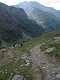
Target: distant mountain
(27,5)
(47,17)
(14,22)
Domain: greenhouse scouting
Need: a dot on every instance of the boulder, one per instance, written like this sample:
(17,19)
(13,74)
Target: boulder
(18,77)
(58,76)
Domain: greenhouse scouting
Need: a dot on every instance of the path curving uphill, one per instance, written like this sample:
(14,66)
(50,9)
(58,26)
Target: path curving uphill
(44,66)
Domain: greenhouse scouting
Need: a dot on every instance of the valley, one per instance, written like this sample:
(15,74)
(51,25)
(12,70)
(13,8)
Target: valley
(29,42)
(31,61)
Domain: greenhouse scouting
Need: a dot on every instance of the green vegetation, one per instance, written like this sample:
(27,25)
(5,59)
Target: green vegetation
(18,67)
(50,43)
(14,25)
(19,33)
(28,45)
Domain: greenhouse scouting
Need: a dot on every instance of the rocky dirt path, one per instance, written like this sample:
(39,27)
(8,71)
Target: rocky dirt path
(35,53)
(45,67)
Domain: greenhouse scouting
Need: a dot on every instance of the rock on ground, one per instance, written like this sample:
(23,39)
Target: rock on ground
(18,77)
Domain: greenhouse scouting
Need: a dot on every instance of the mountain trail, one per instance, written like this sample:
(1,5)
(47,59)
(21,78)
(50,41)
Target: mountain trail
(44,67)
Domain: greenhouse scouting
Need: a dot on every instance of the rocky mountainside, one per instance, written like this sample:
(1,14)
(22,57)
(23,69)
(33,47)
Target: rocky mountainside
(47,17)
(14,22)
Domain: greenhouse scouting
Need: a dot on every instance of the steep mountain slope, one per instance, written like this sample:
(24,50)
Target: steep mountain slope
(27,5)
(47,17)
(14,22)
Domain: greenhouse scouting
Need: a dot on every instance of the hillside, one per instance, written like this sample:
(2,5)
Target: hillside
(14,24)
(47,17)
(29,42)
(37,59)
(51,43)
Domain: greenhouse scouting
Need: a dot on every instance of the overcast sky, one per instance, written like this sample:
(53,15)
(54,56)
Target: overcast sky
(50,3)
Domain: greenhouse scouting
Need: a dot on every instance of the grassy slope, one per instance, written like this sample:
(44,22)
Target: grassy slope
(51,43)
(13,66)
(48,38)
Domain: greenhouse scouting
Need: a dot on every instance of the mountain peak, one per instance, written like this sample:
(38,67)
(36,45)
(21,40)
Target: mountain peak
(46,16)
(34,4)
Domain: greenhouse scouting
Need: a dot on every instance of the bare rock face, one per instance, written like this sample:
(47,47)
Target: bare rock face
(58,76)
(18,77)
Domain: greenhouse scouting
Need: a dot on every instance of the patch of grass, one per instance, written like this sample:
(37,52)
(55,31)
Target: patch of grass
(50,42)
(9,70)
(28,45)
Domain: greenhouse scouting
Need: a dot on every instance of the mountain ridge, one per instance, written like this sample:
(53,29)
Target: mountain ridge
(46,8)
(13,22)
(46,17)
